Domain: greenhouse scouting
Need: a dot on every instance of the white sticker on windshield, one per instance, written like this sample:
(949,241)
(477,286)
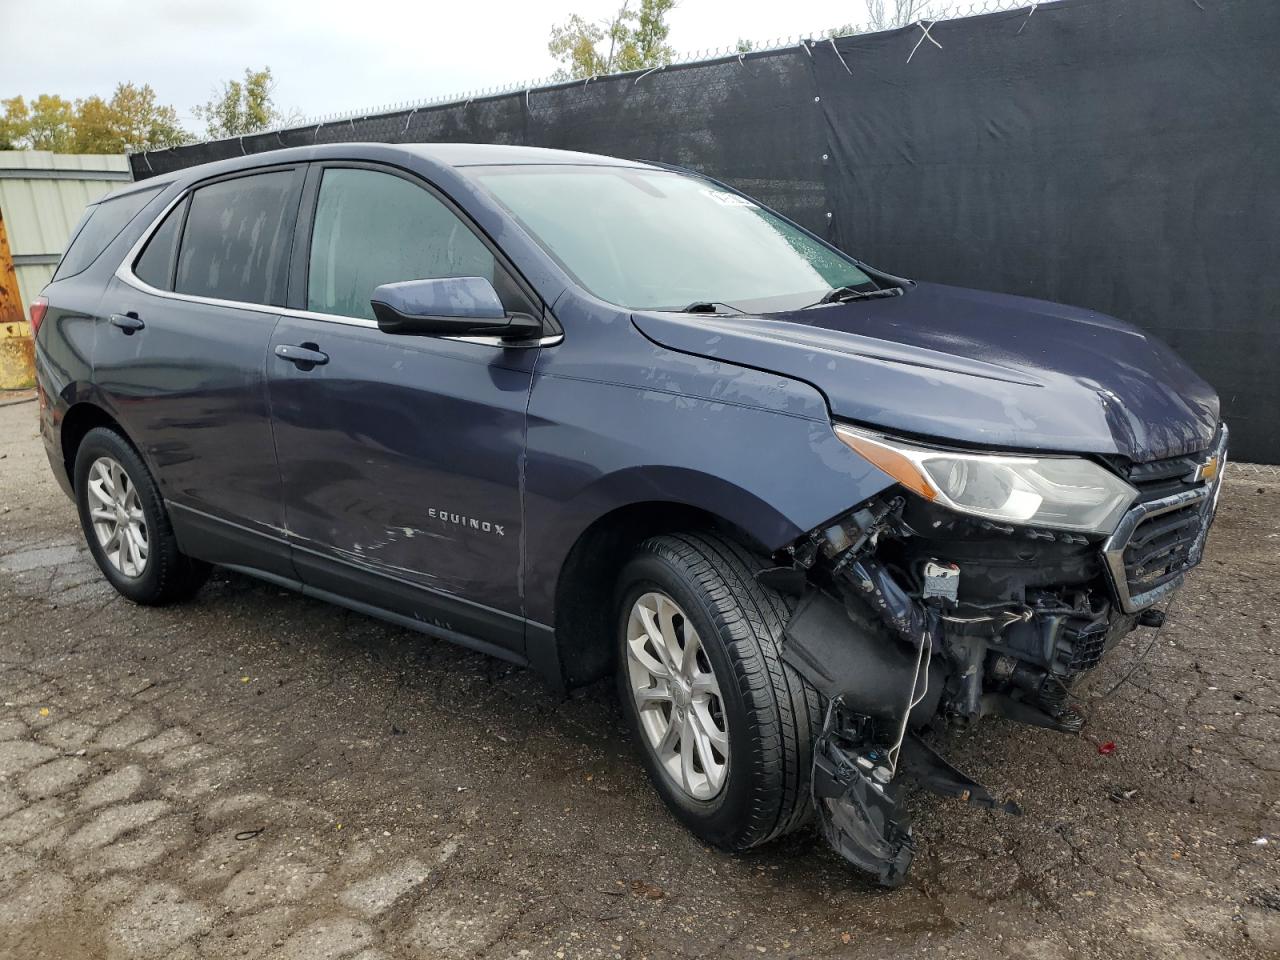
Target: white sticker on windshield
(728,199)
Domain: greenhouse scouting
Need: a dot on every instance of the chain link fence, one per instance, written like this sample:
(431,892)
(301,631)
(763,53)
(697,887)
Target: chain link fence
(1256,471)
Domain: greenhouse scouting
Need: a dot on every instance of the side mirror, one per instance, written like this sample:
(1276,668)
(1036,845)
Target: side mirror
(448,307)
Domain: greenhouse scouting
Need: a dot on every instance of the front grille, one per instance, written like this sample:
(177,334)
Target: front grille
(1163,478)
(1162,535)
(1160,547)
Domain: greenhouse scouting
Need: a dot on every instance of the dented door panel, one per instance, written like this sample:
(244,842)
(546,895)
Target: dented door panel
(401,456)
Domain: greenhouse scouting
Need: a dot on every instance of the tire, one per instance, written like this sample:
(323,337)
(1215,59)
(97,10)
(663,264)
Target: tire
(155,573)
(770,713)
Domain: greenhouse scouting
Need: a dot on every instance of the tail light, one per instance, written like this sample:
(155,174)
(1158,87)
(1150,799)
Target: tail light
(39,306)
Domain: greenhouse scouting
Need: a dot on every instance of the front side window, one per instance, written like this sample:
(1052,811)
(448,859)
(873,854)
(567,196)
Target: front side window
(100,225)
(373,228)
(237,239)
(659,240)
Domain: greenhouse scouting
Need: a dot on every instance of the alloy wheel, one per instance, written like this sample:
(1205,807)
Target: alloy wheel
(677,696)
(116,513)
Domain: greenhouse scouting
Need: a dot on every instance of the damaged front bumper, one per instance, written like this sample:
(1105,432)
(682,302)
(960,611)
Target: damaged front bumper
(910,615)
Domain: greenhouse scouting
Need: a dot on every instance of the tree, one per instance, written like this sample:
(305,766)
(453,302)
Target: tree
(143,124)
(637,39)
(14,124)
(52,123)
(130,121)
(887,14)
(242,107)
(96,127)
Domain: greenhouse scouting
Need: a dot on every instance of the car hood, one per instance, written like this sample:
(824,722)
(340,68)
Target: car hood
(974,368)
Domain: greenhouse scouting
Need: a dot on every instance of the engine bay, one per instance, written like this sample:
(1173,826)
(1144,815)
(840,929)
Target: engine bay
(911,619)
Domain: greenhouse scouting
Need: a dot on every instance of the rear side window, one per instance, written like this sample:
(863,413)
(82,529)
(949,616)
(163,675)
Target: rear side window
(237,239)
(158,260)
(373,228)
(102,223)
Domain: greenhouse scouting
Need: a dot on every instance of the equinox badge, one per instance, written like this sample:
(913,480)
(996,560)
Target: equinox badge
(471,523)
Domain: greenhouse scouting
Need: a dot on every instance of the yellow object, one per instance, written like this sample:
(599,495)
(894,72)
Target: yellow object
(42,196)
(17,357)
(17,351)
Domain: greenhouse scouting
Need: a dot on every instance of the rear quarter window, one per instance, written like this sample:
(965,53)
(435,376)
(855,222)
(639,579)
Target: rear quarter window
(100,225)
(156,265)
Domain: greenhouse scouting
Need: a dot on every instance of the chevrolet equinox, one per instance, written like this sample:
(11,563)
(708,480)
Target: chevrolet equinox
(607,417)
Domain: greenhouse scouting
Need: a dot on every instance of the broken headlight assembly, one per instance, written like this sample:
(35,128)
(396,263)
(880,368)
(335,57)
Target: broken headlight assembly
(979,592)
(1058,493)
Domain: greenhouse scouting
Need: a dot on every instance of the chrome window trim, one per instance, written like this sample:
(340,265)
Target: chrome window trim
(1114,547)
(124,273)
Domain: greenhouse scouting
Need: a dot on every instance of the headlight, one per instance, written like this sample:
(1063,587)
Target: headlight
(1064,493)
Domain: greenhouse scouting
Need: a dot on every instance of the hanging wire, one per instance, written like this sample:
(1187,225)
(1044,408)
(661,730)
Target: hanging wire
(1033,10)
(923,37)
(831,40)
(645,74)
(1141,658)
(924,656)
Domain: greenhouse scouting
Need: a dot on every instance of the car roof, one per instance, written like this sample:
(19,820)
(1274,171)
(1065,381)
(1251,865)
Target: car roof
(453,155)
(485,154)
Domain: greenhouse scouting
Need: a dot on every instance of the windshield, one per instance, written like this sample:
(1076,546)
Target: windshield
(657,240)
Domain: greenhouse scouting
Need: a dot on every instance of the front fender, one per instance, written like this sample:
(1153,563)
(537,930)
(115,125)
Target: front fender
(596,447)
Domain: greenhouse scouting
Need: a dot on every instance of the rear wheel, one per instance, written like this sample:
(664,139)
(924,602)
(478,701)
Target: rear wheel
(126,525)
(725,727)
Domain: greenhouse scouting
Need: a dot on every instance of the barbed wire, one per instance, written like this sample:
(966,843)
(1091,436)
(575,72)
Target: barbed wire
(739,49)
(953,12)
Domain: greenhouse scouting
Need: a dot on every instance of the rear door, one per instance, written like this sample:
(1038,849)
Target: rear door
(400,455)
(181,355)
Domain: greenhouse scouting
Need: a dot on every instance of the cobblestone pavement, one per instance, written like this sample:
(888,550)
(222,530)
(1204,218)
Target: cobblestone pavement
(257,774)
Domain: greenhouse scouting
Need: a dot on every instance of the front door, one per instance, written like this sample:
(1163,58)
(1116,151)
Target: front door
(400,455)
(181,355)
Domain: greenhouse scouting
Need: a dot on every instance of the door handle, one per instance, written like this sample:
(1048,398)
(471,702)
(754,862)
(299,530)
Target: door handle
(127,322)
(304,357)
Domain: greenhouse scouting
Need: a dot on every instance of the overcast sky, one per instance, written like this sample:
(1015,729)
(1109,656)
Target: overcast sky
(329,56)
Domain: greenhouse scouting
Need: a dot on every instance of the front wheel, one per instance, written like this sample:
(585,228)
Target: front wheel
(725,728)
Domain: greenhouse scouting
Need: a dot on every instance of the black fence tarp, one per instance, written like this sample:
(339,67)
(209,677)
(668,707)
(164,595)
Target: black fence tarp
(1122,155)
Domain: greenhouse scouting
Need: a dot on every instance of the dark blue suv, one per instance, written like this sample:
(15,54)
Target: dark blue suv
(597,416)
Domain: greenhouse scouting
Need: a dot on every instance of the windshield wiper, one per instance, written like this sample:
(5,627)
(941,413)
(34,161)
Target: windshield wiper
(711,306)
(848,294)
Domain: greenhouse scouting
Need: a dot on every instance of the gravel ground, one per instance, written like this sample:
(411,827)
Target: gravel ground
(258,774)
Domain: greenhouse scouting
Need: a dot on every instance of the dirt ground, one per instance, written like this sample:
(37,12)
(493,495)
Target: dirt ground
(258,774)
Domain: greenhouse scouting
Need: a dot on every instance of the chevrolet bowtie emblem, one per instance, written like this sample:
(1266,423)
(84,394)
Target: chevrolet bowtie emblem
(1206,471)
